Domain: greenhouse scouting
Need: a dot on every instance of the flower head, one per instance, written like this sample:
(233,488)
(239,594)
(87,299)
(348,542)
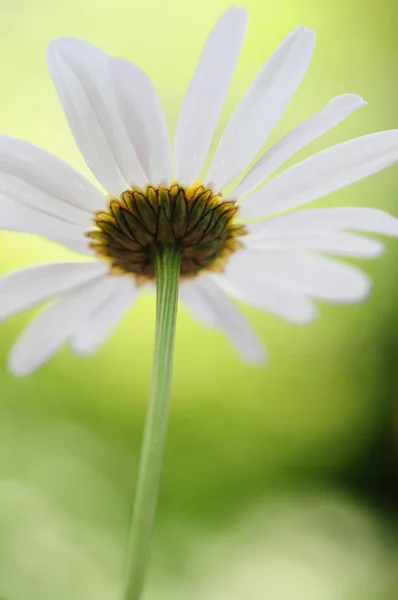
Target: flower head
(153,199)
(195,220)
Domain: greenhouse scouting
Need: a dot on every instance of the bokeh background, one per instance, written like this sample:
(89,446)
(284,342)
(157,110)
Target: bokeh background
(279,483)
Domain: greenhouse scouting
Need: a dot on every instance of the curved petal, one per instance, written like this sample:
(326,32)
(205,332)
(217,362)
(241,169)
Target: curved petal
(324,173)
(79,246)
(55,325)
(100,322)
(37,179)
(229,318)
(194,299)
(206,95)
(143,120)
(333,113)
(302,273)
(14,217)
(320,220)
(22,289)
(254,290)
(343,244)
(80,72)
(261,107)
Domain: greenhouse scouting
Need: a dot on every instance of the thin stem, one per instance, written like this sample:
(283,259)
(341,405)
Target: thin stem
(167,268)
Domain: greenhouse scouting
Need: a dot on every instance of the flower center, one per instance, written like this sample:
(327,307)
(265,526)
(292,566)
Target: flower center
(136,226)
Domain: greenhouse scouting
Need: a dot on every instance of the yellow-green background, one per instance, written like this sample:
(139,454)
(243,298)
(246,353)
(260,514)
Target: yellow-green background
(278,482)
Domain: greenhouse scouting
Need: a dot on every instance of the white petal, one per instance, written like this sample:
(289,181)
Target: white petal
(81,76)
(333,113)
(100,323)
(25,288)
(230,319)
(14,217)
(79,246)
(253,289)
(143,119)
(262,107)
(324,173)
(206,94)
(22,193)
(343,244)
(198,305)
(315,276)
(321,220)
(55,325)
(35,178)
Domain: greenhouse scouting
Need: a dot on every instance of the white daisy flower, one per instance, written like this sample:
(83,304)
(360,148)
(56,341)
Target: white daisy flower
(155,198)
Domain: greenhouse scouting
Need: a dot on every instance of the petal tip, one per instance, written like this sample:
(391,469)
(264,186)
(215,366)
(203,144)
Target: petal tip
(258,357)
(355,99)
(379,250)
(81,350)
(366,291)
(16,368)
(308,319)
(307,33)
(65,46)
(52,51)
(362,291)
(54,44)
(237,9)
(237,12)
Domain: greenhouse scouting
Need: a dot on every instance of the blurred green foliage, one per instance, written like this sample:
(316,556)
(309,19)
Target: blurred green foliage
(272,485)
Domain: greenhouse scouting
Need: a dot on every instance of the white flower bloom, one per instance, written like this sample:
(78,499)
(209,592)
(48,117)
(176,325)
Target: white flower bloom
(154,198)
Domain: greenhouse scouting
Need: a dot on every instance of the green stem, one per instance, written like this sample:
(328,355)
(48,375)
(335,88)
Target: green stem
(167,268)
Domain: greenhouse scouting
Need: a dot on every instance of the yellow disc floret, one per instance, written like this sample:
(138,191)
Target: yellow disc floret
(139,223)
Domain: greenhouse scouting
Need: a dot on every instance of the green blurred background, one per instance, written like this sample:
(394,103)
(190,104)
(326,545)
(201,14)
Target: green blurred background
(279,483)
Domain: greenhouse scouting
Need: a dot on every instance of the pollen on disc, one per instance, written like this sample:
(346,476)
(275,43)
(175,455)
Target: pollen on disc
(201,224)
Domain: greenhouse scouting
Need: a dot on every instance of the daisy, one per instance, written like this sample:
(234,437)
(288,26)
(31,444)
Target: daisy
(154,198)
(160,220)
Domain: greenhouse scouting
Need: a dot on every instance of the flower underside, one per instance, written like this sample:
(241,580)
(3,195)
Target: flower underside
(142,222)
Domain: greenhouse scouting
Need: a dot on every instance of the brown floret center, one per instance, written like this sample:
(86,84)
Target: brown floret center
(139,223)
